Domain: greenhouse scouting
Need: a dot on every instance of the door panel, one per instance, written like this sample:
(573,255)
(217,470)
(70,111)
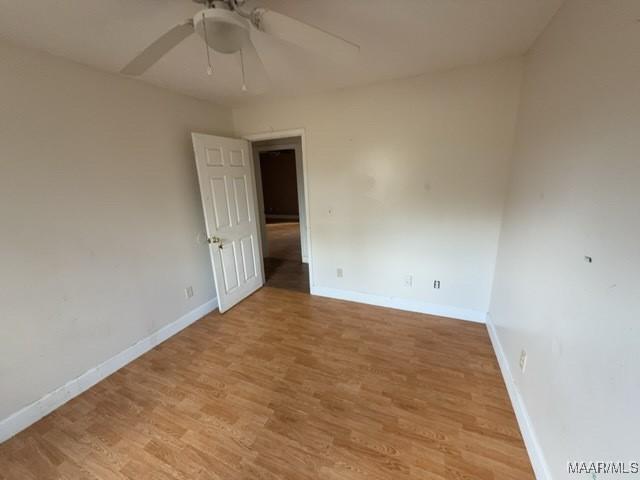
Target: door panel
(236,158)
(242,199)
(215,157)
(227,188)
(229,268)
(248,256)
(220,197)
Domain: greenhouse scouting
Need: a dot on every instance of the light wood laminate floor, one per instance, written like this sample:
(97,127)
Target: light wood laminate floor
(290,386)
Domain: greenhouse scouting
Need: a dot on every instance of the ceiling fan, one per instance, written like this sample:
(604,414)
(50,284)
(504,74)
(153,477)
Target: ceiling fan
(227,28)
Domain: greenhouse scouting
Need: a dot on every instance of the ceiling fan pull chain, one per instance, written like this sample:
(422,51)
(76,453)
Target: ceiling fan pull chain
(244,84)
(206,45)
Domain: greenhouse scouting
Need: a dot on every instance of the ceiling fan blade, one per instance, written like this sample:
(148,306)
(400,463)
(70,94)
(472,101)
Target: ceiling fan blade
(158,49)
(303,35)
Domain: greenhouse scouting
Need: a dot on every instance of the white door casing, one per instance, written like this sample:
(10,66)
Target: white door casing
(227,188)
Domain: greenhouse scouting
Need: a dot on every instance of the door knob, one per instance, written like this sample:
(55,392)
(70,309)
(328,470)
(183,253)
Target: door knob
(214,239)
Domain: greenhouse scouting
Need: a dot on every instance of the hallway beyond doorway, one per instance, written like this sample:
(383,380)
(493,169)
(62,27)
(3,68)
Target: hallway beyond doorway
(283,266)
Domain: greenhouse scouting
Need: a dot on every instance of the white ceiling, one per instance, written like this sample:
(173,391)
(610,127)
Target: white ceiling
(398,38)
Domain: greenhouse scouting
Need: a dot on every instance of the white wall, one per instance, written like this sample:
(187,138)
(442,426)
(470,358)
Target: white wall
(99,215)
(575,191)
(406,178)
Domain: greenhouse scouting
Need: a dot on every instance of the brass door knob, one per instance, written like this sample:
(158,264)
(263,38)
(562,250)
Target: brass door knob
(214,239)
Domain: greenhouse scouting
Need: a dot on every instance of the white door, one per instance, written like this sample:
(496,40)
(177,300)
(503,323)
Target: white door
(228,195)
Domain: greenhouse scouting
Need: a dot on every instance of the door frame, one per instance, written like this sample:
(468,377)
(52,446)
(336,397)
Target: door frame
(275,135)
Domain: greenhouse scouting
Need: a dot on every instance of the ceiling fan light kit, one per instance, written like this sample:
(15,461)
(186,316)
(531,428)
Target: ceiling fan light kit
(226,29)
(222,30)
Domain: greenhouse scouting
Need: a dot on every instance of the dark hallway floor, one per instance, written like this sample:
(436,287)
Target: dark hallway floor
(283,266)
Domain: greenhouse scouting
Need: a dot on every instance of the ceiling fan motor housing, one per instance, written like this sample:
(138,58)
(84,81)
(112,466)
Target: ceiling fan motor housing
(223,30)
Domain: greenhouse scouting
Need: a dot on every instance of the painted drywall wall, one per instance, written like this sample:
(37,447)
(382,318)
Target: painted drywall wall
(575,192)
(99,218)
(406,178)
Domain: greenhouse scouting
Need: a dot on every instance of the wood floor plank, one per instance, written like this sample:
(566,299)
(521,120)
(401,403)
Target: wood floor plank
(290,386)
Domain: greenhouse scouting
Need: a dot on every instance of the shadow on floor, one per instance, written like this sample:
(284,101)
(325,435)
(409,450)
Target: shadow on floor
(283,267)
(286,274)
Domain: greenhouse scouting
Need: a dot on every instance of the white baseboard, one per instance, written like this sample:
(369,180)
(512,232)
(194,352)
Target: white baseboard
(30,414)
(538,461)
(401,304)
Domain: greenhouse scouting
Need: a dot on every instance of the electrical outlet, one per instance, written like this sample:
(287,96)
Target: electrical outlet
(339,272)
(523,360)
(408,281)
(436,284)
(188,292)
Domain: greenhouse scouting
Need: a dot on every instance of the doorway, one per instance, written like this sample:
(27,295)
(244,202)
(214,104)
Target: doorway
(281,203)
